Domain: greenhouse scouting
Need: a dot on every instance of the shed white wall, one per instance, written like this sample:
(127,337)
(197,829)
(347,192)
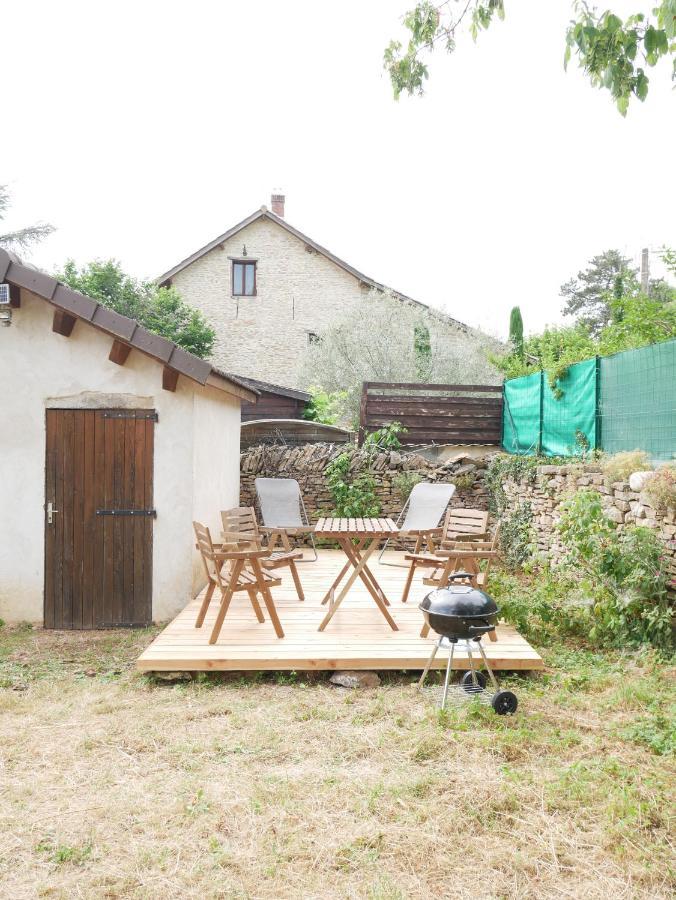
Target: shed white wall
(40,369)
(215,465)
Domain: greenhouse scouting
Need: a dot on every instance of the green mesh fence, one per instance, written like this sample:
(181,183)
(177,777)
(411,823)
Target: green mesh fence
(621,402)
(535,421)
(521,415)
(637,401)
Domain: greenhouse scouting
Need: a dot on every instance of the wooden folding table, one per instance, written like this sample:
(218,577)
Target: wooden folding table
(358,538)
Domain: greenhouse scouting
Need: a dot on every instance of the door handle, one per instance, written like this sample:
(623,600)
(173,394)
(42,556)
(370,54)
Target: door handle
(50,513)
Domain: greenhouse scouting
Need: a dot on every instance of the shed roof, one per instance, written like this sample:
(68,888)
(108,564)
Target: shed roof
(121,328)
(266,387)
(265,213)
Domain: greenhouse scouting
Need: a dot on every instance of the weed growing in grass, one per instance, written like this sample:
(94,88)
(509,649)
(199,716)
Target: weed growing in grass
(198,804)
(656,731)
(62,853)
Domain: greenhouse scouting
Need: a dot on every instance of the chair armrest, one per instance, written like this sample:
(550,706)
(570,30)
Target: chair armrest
(291,529)
(468,554)
(420,531)
(242,554)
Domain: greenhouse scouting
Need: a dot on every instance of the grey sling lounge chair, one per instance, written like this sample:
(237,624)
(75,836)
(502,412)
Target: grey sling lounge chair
(421,515)
(283,512)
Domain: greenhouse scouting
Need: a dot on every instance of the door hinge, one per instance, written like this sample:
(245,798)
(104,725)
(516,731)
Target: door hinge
(131,414)
(127,512)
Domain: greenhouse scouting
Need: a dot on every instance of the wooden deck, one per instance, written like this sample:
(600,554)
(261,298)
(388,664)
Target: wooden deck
(356,638)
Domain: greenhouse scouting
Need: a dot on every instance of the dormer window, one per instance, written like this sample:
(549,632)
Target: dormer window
(244,278)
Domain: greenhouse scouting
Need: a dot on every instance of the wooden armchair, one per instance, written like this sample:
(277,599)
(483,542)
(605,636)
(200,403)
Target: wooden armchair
(465,525)
(241,527)
(465,556)
(232,570)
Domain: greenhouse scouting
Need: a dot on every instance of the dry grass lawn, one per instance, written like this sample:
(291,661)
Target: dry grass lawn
(114,785)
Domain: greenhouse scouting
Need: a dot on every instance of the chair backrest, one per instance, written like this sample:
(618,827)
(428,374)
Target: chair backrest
(240,522)
(206,551)
(280,502)
(465,524)
(427,504)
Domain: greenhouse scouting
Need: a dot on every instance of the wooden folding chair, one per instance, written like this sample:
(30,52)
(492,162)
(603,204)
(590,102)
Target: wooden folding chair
(241,527)
(465,556)
(459,525)
(231,571)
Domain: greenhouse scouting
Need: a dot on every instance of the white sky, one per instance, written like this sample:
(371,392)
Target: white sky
(142,130)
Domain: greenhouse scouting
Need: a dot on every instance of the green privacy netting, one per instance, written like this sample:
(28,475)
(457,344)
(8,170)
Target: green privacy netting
(569,423)
(521,415)
(637,401)
(621,402)
(535,421)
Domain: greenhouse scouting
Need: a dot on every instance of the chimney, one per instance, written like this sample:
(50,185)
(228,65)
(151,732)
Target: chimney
(277,204)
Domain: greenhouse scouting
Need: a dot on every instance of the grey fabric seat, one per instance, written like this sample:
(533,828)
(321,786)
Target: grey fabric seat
(282,509)
(422,513)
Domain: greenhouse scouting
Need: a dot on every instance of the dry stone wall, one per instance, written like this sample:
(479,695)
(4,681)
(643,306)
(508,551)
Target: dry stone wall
(308,462)
(623,506)
(552,484)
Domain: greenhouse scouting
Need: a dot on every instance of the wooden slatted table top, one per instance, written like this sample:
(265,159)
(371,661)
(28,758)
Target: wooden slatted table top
(376,526)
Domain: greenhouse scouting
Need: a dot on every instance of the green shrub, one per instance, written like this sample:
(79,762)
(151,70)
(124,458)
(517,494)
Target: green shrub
(660,489)
(542,606)
(516,535)
(405,482)
(385,438)
(325,407)
(353,492)
(620,466)
(623,573)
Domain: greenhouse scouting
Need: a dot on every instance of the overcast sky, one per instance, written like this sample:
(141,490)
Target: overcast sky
(144,129)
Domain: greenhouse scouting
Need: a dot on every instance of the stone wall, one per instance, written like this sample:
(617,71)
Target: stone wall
(623,506)
(308,462)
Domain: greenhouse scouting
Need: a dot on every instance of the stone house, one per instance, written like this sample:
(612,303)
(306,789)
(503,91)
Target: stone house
(270,290)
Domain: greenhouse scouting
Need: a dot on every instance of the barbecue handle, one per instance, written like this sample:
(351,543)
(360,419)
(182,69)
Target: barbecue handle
(454,575)
(480,629)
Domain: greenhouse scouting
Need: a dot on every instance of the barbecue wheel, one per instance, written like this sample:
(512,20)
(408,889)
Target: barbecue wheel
(469,686)
(504,703)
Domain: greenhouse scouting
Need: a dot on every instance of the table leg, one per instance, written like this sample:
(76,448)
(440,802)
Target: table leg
(366,575)
(351,580)
(341,574)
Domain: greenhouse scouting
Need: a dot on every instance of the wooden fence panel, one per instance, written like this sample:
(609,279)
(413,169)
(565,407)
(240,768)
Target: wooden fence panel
(434,413)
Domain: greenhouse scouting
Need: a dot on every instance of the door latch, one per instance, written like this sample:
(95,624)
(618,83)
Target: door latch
(50,513)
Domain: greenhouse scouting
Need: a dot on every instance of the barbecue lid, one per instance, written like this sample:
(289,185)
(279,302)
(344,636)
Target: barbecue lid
(459,600)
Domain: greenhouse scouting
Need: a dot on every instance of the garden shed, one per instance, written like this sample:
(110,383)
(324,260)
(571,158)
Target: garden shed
(112,441)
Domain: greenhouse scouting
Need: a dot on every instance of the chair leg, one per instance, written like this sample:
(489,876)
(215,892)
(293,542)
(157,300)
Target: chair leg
(409,582)
(225,601)
(256,605)
(267,598)
(205,604)
(296,580)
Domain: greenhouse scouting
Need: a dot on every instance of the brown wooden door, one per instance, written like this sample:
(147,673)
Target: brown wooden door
(99,527)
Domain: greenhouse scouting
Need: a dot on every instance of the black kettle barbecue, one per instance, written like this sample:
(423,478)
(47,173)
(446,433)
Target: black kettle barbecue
(460,612)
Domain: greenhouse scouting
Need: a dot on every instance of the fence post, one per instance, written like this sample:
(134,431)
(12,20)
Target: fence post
(362,414)
(597,416)
(542,406)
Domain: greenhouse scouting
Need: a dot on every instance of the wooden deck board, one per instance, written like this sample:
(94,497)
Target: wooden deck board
(356,638)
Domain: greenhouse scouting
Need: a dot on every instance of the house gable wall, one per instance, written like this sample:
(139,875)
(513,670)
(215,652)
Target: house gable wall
(298,291)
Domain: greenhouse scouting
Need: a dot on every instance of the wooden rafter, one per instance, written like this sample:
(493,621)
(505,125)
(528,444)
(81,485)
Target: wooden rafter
(63,323)
(169,379)
(119,353)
